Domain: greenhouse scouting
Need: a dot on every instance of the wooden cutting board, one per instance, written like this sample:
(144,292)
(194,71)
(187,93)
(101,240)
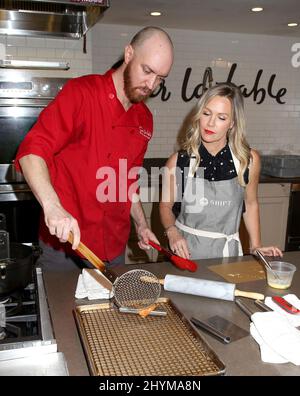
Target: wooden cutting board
(245,271)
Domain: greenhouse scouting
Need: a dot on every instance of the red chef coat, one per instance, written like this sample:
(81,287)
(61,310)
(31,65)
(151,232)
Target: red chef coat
(84,129)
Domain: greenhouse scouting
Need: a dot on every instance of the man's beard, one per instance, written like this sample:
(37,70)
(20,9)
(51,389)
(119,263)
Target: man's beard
(132,92)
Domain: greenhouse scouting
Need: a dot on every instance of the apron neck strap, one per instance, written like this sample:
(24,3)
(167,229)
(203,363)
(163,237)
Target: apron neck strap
(191,167)
(235,160)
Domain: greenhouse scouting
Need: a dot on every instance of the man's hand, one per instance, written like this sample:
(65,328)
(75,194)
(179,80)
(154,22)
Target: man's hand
(61,223)
(144,235)
(142,229)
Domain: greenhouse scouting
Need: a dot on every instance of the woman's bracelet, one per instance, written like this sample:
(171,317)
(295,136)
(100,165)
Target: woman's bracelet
(168,228)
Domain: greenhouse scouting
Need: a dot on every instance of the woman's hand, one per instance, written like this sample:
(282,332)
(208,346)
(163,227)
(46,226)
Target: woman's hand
(268,251)
(177,243)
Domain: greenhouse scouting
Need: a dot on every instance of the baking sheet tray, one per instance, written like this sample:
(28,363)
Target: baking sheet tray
(124,344)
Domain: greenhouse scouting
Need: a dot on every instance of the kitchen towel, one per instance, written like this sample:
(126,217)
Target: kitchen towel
(267,354)
(294,319)
(279,341)
(88,286)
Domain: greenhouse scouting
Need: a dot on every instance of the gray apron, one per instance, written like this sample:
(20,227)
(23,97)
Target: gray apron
(210,215)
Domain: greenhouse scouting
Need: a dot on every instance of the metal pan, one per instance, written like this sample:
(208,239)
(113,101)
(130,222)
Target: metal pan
(119,345)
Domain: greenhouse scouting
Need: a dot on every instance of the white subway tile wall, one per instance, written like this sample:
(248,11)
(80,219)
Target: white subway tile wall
(50,49)
(271,127)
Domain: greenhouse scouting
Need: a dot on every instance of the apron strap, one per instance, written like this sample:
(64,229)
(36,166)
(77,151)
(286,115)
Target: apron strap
(214,235)
(235,161)
(191,167)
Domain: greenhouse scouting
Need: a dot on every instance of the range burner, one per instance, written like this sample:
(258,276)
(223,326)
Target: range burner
(4,300)
(10,331)
(21,316)
(2,333)
(25,323)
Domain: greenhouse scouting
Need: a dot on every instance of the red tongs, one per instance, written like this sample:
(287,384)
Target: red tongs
(180,262)
(285,305)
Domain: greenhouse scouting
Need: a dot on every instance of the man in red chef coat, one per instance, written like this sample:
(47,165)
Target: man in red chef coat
(96,123)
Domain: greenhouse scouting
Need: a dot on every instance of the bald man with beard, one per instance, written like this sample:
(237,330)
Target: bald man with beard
(81,158)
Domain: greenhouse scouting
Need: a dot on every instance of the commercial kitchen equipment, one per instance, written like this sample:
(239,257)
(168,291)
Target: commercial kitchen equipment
(54,18)
(26,333)
(22,98)
(121,344)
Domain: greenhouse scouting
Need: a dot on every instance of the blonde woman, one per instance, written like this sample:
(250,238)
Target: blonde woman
(212,181)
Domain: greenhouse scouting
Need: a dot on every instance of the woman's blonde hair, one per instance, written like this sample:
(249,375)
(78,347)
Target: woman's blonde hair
(235,135)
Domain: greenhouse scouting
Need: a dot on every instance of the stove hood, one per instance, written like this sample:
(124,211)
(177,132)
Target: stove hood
(52,18)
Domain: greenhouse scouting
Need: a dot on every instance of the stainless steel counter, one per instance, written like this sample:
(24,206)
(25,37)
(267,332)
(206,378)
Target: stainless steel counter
(36,355)
(241,357)
(51,364)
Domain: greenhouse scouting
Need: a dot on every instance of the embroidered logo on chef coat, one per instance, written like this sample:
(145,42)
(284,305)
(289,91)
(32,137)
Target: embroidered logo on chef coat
(145,133)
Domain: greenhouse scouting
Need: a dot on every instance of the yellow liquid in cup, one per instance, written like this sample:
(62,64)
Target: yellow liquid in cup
(284,271)
(279,286)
